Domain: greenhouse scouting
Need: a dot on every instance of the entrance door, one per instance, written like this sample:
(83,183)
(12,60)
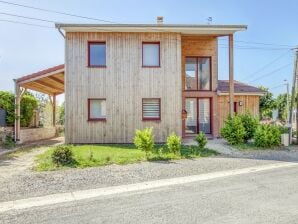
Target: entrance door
(198,115)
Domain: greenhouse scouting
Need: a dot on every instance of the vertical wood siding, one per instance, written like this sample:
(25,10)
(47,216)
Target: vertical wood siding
(123,83)
(250,103)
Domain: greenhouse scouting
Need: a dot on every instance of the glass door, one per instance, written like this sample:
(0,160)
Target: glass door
(198,115)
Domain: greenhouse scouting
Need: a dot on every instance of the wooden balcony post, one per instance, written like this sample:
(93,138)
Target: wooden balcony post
(54,110)
(231,74)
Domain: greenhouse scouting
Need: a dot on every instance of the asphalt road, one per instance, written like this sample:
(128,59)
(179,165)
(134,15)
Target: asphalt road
(269,196)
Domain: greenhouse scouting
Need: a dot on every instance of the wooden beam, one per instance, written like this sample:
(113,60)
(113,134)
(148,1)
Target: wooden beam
(48,85)
(231,74)
(56,80)
(17,121)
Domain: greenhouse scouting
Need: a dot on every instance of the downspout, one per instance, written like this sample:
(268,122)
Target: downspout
(15,103)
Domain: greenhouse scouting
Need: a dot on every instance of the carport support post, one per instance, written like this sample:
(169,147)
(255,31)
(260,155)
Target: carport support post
(54,110)
(231,74)
(17,121)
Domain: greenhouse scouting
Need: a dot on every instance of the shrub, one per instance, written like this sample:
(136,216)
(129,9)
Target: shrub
(9,142)
(174,143)
(233,130)
(144,141)
(201,140)
(267,136)
(62,155)
(250,124)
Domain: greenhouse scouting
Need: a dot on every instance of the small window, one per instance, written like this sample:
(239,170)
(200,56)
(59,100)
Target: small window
(96,54)
(96,109)
(151,109)
(151,54)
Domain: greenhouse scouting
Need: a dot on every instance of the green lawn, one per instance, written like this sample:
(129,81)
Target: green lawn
(99,155)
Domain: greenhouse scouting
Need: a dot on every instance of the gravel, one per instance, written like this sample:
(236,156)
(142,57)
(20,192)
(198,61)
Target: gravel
(28,183)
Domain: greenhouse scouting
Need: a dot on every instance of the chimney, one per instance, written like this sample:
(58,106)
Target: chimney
(159,20)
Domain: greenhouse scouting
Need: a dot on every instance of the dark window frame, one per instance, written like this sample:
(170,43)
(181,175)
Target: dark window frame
(159,114)
(96,43)
(151,66)
(197,73)
(89,106)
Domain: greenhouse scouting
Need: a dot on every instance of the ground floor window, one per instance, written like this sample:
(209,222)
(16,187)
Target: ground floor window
(96,109)
(198,115)
(151,108)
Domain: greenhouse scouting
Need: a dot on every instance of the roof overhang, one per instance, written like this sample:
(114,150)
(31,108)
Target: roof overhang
(218,30)
(49,81)
(219,93)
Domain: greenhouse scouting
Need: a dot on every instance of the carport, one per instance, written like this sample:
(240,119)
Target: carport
(49,81)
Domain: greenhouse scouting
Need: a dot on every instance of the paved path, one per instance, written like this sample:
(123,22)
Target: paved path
(259,196)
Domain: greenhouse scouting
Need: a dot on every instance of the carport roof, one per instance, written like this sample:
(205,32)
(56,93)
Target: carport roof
(49,81)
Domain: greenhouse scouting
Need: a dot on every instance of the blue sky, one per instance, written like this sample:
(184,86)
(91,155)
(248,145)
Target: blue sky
(25,49)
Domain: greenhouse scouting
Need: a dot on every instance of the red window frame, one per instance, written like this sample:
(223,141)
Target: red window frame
(197,73)
(97,43)
(94,119)
(151,119)
(148,66)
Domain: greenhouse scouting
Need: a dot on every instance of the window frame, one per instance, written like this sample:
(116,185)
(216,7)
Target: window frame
(197,73)
(97,43)
(150,42)
(159,114)
(89,107)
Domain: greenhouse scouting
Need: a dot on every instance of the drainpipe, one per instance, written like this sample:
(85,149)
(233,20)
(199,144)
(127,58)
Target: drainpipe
(59,29)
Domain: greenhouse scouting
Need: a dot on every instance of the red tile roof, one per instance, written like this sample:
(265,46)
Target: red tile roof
(239,87)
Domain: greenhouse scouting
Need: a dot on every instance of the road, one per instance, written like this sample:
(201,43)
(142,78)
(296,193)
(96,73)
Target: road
(264,196)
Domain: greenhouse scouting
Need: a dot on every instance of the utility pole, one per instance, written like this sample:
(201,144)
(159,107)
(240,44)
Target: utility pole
(295,75)
(287,105)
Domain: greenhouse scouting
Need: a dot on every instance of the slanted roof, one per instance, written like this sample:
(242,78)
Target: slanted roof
(239,88)
(187,29)
(49,81)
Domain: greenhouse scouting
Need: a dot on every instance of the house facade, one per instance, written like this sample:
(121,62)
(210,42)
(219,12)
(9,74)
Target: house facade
(119,78)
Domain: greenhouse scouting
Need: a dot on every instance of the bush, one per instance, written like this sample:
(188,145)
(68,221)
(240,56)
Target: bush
(201,140)
(267,136)
(62,155)
(9,142)
(250,124)
(144,141)
(7,103)
(233,130)
(174,143)
(28,104)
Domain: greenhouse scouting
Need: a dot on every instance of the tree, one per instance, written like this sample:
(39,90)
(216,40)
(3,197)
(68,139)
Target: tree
(28,104)
(281,103)
(267,103)
(7,103)
(61,116)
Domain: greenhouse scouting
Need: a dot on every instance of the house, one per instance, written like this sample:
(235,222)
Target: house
(123,77)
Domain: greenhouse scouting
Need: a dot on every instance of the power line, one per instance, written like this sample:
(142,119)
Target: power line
(260,43)
(26,17)
(28,24)
(57,12)
(267,65)
(270,73)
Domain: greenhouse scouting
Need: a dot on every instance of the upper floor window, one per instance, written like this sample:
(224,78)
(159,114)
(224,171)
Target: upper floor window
(96,109)
(96,54)
(151,108)
(151,54)
(198,73)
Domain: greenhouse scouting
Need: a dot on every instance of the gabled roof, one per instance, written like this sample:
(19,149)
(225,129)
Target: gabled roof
(174,28)
(239,88)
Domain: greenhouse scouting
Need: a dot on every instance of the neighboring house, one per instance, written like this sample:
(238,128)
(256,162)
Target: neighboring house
(123,77)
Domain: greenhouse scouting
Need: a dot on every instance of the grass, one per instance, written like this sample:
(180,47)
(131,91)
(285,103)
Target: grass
(100,155)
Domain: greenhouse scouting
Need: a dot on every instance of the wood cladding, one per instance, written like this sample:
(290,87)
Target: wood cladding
(123,83)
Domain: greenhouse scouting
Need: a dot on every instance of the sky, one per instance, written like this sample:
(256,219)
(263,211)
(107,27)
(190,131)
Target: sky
(262,55)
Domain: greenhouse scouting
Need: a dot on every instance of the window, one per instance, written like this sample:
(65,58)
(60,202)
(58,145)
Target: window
(198,73)
(96,54)
(96,109)
(151,54)
(151,109)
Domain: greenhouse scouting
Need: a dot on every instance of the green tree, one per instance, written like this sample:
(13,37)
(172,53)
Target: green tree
(7,103)
(281,103)
(61,116)
(28,104)
(267,103)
